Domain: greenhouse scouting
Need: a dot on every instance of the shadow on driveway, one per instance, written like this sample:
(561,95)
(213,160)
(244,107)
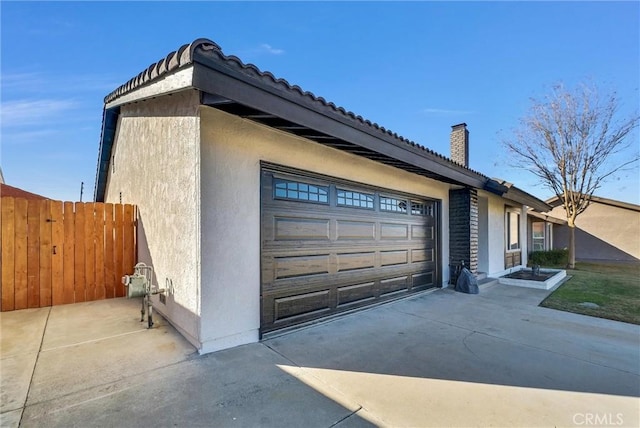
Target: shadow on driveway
(435,359)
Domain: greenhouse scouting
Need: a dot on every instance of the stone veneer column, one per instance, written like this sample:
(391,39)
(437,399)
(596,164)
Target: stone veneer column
(463,228)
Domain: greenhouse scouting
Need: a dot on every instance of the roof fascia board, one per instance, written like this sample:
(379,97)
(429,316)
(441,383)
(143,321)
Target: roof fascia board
(109,123)
(617,204)
(555,202)
(521,197)
(209,76)
(170,83)
(547,218)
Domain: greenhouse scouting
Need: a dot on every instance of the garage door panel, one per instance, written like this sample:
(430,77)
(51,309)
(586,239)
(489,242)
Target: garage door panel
(351,229)
(319,259)
(393,285)
(422,280)
(355,261)
(351,295)
(394,231)
(419,231)
(288,228)
(308,304)
(422,255)
(396,257)
(297,266)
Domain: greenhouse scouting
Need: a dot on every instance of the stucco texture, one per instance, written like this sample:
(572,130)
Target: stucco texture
(194,173)
(603,232)
(492,241)
(231,152)
(155,165)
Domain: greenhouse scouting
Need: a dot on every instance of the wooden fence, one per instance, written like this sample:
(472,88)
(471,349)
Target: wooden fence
(57,252)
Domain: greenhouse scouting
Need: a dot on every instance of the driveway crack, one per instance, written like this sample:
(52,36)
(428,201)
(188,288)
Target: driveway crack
(44,331)
(466,346)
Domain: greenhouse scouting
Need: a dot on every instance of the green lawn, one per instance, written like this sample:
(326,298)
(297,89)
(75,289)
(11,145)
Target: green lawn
(614,287)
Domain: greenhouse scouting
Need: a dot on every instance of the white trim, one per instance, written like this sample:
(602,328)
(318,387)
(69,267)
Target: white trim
(226,342)
(511,210)
(178,81)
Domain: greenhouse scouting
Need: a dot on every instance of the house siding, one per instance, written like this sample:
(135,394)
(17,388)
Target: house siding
(603,232)
(155,166)
(232,149)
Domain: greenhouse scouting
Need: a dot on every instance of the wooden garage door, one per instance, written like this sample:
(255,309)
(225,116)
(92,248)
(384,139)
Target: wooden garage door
(330,246)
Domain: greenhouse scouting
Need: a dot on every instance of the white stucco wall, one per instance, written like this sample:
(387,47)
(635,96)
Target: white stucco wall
(231,151)
(524,236)
(483,234)
(155,166)
(496,245)
(496,239)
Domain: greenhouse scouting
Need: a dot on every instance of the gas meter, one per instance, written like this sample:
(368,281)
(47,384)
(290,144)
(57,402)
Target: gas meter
(139,285)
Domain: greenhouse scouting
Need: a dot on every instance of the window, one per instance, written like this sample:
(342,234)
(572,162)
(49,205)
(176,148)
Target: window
(421,208)
(355,199)
(537,235)
(513,230)
(393,204)
(287,189)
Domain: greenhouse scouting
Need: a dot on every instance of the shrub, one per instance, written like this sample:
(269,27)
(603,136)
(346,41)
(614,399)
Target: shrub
(549,258)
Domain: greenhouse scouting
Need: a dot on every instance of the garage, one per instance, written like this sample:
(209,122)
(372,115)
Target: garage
(329,246)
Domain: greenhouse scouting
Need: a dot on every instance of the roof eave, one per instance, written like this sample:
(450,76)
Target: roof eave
(524,198)
(547,218)
(555,202)
(107,136)
(213,77)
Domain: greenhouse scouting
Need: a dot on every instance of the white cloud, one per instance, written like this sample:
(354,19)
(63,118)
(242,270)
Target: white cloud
(37,82)
(270,49)
(21,81)
(27,137)
(32,112)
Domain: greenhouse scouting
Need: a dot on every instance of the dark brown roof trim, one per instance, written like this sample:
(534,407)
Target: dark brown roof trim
(189,53)
(211,57)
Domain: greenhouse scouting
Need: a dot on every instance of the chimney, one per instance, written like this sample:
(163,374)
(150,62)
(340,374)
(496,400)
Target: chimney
(460,144)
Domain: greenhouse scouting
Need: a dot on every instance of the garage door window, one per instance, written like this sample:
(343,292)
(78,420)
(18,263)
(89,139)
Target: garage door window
(393,204)
(349,198)
(421,208)
(299,191)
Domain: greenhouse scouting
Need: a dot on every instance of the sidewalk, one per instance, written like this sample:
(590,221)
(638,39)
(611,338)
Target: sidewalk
(436,359)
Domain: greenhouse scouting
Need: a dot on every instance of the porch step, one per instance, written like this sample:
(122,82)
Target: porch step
(487,282)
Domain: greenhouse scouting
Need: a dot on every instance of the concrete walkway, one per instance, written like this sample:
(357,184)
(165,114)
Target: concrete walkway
(436,359)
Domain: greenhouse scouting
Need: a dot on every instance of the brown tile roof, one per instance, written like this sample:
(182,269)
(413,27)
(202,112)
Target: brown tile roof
(186,54)
(174,61)
(6,190)
(209,54)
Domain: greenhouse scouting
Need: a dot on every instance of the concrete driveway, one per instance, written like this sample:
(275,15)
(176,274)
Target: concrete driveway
(435,359)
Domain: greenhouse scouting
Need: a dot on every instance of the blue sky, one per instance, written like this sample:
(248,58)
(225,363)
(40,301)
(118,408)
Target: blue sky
(415,68)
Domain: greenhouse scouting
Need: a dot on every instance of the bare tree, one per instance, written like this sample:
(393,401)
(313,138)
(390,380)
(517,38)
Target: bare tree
(570,140)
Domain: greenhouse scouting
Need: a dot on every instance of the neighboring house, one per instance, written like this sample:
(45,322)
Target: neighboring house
(540,230)
(6,190)
(262,206)
(606,230)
